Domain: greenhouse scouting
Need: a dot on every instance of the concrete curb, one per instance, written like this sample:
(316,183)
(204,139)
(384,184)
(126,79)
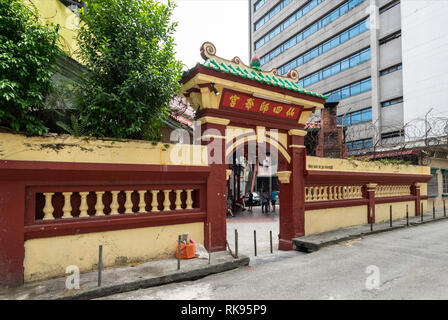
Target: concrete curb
(312,246)
(194,274)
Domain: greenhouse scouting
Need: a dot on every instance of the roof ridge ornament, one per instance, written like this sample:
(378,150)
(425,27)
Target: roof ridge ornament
(208,51)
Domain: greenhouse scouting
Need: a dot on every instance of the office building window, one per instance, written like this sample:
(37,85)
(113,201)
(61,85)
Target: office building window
(391,102)
(393,134)
(350,90)
(259,4)
(287,22)
(308,31)
(445,181)
(390,37)
(391,69)
(389,6)
(433,184)
(305,33)
(360,144)
(324,47)
(271,13)
(335,68)
(356,117)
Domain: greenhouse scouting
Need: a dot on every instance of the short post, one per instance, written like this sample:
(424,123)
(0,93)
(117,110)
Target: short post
(407,215)
(434,209)
(209,243)
(100,264)
(179,240)
(270,238)
(390,217)
(255,242)
(421,213)
(236,243)
(444,208)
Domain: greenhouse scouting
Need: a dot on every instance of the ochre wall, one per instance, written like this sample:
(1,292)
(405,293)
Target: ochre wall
(65,148)
(48,257)
(54,11)
(317,221)
(382,211)
(327,164)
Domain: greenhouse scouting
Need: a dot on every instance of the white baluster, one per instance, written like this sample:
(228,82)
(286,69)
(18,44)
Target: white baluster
(155,201)
(189,201)
(114,204)
(83,207)
(128,204)
(67,209)
(178,199)
(142,203)
(166,202)
(99,206)
(48,208)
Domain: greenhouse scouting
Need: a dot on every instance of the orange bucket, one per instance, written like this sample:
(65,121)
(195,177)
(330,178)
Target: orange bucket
(187,251)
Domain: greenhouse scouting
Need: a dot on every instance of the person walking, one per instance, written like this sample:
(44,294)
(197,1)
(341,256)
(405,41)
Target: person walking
(250,201)
(265,202)
(274,195)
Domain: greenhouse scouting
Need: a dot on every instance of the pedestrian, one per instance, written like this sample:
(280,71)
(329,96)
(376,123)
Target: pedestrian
(274,195)
(250,201)
(230,206)
(265,202)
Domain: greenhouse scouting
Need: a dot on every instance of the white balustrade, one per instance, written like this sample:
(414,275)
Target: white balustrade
(331,193)
(67,209)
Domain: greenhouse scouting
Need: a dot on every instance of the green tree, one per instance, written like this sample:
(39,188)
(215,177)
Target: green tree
(128,49)
(28,53)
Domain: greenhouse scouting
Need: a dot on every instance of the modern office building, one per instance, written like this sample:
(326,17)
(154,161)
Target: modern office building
(383,60)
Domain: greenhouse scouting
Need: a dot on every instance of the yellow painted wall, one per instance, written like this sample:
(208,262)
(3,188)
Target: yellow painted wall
(48,257)
(317,221)
(54,11)
(327,164)
(438,201)
(382,211)
(66,148)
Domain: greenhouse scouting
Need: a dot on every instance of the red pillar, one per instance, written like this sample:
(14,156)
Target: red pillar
(12,251)
(216,191)
(416,192)
(370,190)
(292,197)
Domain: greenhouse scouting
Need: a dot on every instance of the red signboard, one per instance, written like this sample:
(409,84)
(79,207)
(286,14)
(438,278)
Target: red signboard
(240,101)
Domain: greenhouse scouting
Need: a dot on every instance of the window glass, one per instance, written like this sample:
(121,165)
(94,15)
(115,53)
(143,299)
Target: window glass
(355,89)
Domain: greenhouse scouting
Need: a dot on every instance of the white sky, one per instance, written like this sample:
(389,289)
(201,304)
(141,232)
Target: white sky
(225,23)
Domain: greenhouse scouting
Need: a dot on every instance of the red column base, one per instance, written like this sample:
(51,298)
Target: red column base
(285,245)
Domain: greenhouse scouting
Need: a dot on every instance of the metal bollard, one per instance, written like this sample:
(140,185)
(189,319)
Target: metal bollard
(407,215)
(444,209)
(236,243)
(179,240)
(433,209)
(421,213)
(390,217)
(270,238)
(100,264)
(255,242)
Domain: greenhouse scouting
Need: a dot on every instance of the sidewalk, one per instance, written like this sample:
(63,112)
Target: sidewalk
(118,280)
(314,242)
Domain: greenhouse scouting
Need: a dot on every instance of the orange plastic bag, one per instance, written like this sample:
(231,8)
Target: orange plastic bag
(187,251)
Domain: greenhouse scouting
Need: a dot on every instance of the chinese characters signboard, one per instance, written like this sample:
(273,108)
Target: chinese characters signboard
(240,101)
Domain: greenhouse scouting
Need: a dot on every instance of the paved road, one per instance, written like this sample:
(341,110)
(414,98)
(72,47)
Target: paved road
(411,263)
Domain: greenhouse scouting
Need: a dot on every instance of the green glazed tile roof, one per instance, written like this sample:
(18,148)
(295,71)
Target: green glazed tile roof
(252,74)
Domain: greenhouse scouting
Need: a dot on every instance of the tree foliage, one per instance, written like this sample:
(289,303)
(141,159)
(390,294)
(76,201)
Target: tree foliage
(28,53)
(128,48)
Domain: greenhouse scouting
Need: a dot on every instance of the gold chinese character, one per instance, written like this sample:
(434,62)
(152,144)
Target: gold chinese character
(264,107)
(233,100)
(249,103)
(278,109)
(291,112)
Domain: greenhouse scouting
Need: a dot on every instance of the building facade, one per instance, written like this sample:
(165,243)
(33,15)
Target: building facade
(353,50)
